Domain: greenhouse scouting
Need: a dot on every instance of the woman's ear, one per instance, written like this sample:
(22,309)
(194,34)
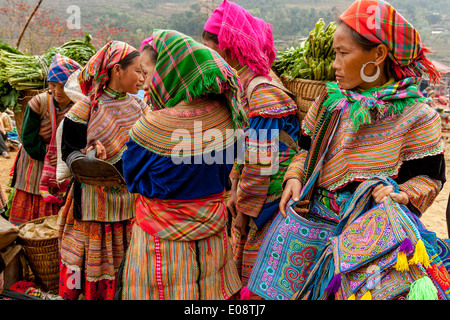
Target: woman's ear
(381,53)
(117,70)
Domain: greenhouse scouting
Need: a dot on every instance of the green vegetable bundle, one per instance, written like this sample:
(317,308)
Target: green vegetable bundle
(77,49)
(22,72)
(30,72)
(8,95)
(313,59)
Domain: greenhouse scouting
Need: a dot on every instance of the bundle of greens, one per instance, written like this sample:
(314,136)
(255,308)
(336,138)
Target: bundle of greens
(8,95)
(20,72)
(30,72)
(77,49)
(312,59)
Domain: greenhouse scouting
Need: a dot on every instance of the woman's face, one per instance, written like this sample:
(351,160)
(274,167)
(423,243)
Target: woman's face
(148,69)
(350,58)
(57,91)
(131,78)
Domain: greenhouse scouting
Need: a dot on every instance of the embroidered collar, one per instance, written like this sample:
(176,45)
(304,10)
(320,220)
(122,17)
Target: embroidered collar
(115,94)
(388,100)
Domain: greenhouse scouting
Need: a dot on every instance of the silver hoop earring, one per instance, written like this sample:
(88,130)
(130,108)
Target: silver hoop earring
(372,78)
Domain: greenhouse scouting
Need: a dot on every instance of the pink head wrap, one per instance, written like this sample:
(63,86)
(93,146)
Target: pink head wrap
(249,39)
(147,41)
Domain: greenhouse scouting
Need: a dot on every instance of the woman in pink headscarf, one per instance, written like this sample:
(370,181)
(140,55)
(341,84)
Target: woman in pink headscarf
(246,43)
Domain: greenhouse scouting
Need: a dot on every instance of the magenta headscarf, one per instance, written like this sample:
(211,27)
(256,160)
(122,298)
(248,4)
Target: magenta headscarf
(249,39)
(149,41)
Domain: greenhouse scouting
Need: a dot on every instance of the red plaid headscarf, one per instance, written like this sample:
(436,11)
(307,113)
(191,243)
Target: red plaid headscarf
(94,76)
(379,22)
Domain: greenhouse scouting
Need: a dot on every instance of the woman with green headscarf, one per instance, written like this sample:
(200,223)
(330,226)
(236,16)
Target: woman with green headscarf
(179,247)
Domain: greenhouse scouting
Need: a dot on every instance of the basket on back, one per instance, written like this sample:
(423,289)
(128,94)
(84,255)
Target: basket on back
(43,256)
(306,91)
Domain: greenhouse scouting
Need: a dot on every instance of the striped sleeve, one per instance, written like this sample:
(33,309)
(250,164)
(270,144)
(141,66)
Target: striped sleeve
(256,173)
(252,190)
(421,190)
(308,124)
(236,171)
(296,167)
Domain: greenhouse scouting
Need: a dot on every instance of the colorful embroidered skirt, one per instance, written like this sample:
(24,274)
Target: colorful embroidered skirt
(91,254)
(27,206)
(158,269)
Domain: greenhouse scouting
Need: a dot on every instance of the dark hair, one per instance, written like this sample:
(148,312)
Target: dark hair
(211,36)
(152,53)
(368,45)
(127,61)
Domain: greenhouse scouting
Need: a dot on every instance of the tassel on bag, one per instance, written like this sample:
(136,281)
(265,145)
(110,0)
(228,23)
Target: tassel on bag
(406,248)
(367,296)
(334,285)
(422,289)
(420,255)
(245,293)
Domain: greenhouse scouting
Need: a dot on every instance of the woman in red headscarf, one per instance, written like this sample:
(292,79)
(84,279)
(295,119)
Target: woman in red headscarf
(246,43)
(96,221)
(373,123)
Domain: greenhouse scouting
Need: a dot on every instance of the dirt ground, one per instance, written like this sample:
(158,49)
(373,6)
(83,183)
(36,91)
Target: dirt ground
(434,218)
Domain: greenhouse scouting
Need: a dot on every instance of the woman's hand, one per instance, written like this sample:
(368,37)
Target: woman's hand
(292,189)
(232,201)
(101,151)
(54,160)
(380,192)
(240,223)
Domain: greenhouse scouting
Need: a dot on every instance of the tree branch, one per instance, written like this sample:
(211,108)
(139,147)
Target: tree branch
(26,25)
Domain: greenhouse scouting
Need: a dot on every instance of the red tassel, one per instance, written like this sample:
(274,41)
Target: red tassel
(245,293)
(52,199)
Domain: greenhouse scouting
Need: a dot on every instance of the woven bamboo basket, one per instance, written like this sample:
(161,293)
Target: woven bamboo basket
(43,257)
(306,91)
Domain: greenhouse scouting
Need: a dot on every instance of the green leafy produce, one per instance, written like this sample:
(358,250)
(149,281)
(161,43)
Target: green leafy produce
(312,59)
(8,95)
(20,72)
(30,72)
(77,49)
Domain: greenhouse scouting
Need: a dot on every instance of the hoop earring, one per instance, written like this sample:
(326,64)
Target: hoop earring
(372,78)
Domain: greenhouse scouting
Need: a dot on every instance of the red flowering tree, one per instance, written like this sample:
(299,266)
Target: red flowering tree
(46,29)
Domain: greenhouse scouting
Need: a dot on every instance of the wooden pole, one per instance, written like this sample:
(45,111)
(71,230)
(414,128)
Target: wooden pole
(26,25)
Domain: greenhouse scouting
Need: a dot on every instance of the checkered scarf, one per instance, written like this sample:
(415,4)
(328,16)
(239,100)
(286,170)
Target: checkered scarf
(61,68)
(388,100)
(186,70)
(379,22)
(94,76)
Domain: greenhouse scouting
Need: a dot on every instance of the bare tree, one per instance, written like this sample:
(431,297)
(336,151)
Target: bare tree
(26,25)
(208,6)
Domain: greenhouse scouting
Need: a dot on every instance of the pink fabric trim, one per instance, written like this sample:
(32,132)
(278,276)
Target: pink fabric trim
(158,269)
